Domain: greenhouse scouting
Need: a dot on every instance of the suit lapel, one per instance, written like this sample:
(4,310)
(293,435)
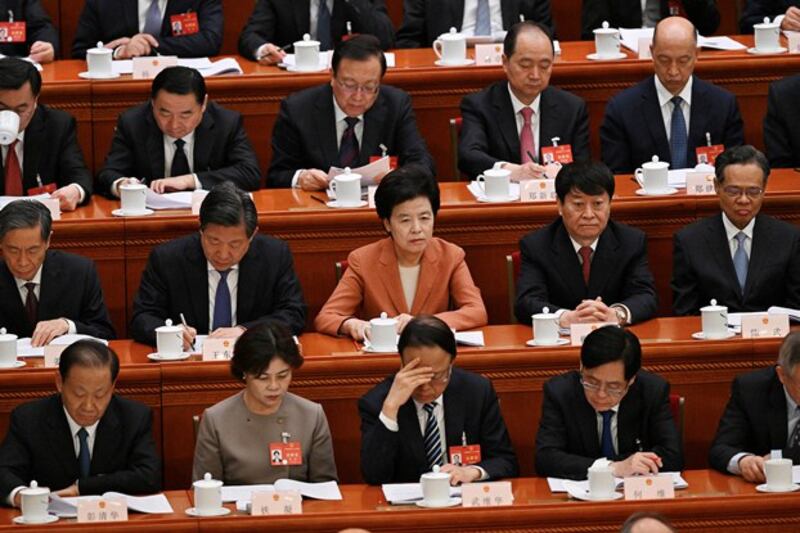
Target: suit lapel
(203,143)
(326,127)
(651,111)
(698,122)
(60,439)
(587,419)
(130,10)
(409,425)
(155,146)
(302,16)
(32,149)
(391,276)
(428,275)
(52,282)
(248,274)
(778,432)
(628,416)
(373,122)
(548,121)
(454,415)
(604,261)
(717,242)
(107,442)
(456,14)
(11,302)
(507,120)
(196,273)
(508,10)
(569,268)
(763,241)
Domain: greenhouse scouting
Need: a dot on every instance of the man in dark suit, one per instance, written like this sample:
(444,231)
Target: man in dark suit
(424,21)
(277,23)
(134,28)
(494,124)
(629,14)
(421,416)
(179,140)
(761,416)
(671,113)
(224,280)
(41,38)
(745,260)
(584,267)
(346,123)
(83,441)
(781,130)
(45,293)
(786,12)
(45,156)
(609,410)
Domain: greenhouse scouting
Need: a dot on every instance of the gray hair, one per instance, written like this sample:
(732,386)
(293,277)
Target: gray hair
(25,214)
(789,353)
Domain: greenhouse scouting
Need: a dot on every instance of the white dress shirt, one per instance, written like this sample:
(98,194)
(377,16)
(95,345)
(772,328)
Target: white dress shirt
(19,149)
(664,97)
(651,13)
(144,5)
(37,279)
(731,231)
(469,22)
(409,278)
(213,283)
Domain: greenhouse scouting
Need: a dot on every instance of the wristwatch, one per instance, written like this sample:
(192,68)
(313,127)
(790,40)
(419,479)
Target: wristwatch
(622,314)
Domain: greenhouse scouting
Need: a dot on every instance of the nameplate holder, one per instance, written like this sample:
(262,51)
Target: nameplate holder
(578,332)
(488,55)
(52,355)
(52,205)
(147,68)
(102,510)
(197,200)
(537,190)
(700,183)
(757,325)
(644,47)
(279,502)
(371,195)
(218,349)
(494,494)
(649,488)
(793,37)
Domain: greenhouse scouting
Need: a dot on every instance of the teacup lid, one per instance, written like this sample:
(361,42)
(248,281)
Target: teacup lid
(545,314)
(655,163)
(207,482)
(100,49)
(35,490)
(132,186)
(306,42)
(714,306)
(436,473)
(605,29)
(766,24)
(348,175)
(168,327)
(383,320)
(452,35)
(601,465)
(5,336)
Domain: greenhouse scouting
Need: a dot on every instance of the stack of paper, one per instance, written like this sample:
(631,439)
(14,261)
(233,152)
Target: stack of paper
(68,507)
(629,37)
(408,493)
(470,338)
(325,60)
(564,485)
(369,173)
(328,490)
(24,348)
(170,200)
(794,314)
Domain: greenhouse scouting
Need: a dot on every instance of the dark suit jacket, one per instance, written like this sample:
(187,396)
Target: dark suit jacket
(283,22)
(175,281)
(703,267)
(38,26)
(51,151)
(633,128)
(754,420)
(470,407)
(39,446)
(222,150)
(70,289)
(782,123)
(755,10)
(551,272)
(425,20)
(305,133)
(628,14)
(106,20)
(567,442)
(489,127)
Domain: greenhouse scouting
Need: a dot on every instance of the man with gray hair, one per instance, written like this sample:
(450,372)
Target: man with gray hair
(762,415)
(45,293)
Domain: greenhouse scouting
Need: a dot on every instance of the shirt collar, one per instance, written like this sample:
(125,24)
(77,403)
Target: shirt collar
(517,104)
(37,278)
(791,405)
(74,427)
(664,96)
(731,230)
(211,268)
(578,246)
(439,401)
(340,115)
(188,139)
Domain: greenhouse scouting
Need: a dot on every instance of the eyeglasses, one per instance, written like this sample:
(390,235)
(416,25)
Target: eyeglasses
(352,87)
(614,390)
(443,377)
(736,192)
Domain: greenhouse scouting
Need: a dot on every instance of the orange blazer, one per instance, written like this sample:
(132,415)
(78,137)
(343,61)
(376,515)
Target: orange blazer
(371,284)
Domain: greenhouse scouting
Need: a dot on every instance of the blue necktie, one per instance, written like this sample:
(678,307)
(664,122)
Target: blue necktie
(432,439)
(740,259)
(324,26)
(84,461)
(348,148)
(606,442)
(152,19)
(222,303)
(678,142)
(483,25)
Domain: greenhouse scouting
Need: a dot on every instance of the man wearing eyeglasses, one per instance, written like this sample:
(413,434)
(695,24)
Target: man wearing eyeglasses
(609,410)
(346,123)
(745,260)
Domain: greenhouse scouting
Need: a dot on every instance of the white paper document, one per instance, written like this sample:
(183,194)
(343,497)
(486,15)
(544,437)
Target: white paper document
(221,67)
(470,338)
(325,60)
(570,486)
(369,173)
(408,493)
(68,507)
(125,66)
(169,200)
(629,37)
(5,200)
(328,490)
(24,348)
(794,314)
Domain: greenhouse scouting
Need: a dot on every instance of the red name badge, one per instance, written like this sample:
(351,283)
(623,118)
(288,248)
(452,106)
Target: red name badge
(285,454)
(48,188)
(557,154)
(184,24)
(708,154)
(465,455)
(392,160)
(12,32)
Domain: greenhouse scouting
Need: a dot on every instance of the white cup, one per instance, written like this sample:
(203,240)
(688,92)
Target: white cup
(8,349)
(133,197)
(451,47)
(495,182)
(98,60)
(383,332)
(306,54)
(653,176)
(207,495)
(435,488)
(715,320)
(779,473)
(606,41)
(169,340)
(545,327)
(33,502)
(767,36)
(601,481)
(347,188)
(9,127)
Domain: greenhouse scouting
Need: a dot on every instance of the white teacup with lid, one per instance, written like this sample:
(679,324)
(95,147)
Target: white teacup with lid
(347,188)
(601,480)
(306,53)
(545,327)
(9,127)
(435,488)
(654,176)
(715,321)
(383,332)
(133,197)
(34,501)
(451,47)
(606,41)
(207,496)
(767,36)
(778,472)
(495,183)
(8,349)
(99,61)
(169,340)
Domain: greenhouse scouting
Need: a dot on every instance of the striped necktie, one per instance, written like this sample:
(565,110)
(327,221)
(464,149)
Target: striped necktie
(432,439)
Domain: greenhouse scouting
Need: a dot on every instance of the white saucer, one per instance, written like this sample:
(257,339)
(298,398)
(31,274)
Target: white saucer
(334,204)
(123,213)
(764,488)
(222,511)
(450,503)
(779,50)
(371,349)
(663,192)
(87,76)
(699,335)
(293,68)
(615,57)
(462,63)
(499,199)
(49,520)
(534,342)
(589,498)
(156,357)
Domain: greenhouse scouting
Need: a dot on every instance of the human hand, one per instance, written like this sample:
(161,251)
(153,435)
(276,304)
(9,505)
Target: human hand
(47,330)
(42,52)
(638,463)
(752,468)
(791,20)
(405,382)
(313,180)
(141,44)
(69,492)
(356,329)
(227,333)
(402,321)
(189,334)
(461,474)
(270,54)
(68,197)
(176,183)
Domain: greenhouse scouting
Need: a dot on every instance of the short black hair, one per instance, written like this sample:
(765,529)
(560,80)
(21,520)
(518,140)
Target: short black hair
(510,42)
(180,80)
(633,519)
(740,155)
(589,177)
(255,349)
(428,331)
(609,344)
(359,48)
(403,184)
(88,353)
(227,205)
(14,72)
(25,214)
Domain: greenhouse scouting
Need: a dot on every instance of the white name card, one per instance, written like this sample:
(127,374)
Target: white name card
(146,68)
(54,206)
(276,503)
(700,183)
(578,332)
(649,488)
(756,325)
(644,47)
(218,349)
(794,41)
(537,190)
(493,494)
(102,510)
(488,54)
(197,200)
(371,195)
(52,355)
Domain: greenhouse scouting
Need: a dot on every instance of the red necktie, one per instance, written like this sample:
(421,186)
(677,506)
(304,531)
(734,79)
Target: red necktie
(13,174)
(586,256)
(527,148)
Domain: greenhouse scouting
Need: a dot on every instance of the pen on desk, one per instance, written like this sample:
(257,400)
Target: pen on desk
(285,47)
(183,321)
(317,198)
(39,182)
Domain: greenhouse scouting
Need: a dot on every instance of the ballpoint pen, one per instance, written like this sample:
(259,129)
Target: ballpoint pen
(185,325)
